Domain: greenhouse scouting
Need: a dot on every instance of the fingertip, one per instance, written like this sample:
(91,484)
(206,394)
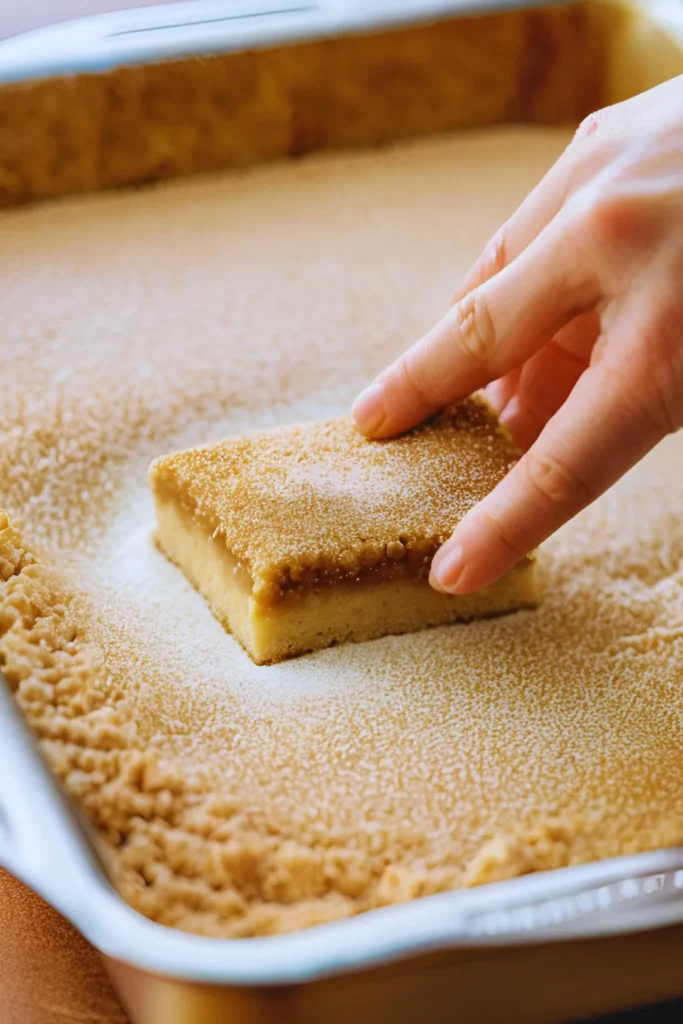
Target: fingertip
(448,568)
(472,558)
(369,410)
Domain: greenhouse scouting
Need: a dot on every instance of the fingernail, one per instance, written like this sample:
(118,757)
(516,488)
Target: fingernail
(368,410)
(448,569)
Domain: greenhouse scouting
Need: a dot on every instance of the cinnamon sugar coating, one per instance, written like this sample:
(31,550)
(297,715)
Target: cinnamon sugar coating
(307,504)
(233,800)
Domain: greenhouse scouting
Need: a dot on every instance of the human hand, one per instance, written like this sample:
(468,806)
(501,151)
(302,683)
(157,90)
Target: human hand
(572,318)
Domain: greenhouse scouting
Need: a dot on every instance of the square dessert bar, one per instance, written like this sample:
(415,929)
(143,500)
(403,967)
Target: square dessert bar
(308,536)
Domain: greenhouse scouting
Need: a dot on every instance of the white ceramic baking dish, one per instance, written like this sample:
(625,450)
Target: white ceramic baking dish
(453,947)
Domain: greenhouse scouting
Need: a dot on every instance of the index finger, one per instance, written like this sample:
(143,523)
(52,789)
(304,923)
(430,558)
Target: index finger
(489,332)
(570,171)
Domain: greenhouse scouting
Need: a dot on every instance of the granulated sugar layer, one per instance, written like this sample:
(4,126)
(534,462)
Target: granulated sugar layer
(236,800)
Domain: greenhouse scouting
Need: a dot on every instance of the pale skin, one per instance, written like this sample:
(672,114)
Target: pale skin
(572,320)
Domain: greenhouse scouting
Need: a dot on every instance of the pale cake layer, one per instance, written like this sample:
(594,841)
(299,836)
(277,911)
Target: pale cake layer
(337,613)
(300,504)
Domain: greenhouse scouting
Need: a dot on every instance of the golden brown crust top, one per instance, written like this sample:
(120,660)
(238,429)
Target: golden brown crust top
(322,497)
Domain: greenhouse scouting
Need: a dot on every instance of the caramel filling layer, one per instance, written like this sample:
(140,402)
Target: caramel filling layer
(403,559)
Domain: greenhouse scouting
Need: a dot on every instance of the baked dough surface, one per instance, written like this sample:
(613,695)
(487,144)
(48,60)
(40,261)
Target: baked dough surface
(236,800)
(306,536)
